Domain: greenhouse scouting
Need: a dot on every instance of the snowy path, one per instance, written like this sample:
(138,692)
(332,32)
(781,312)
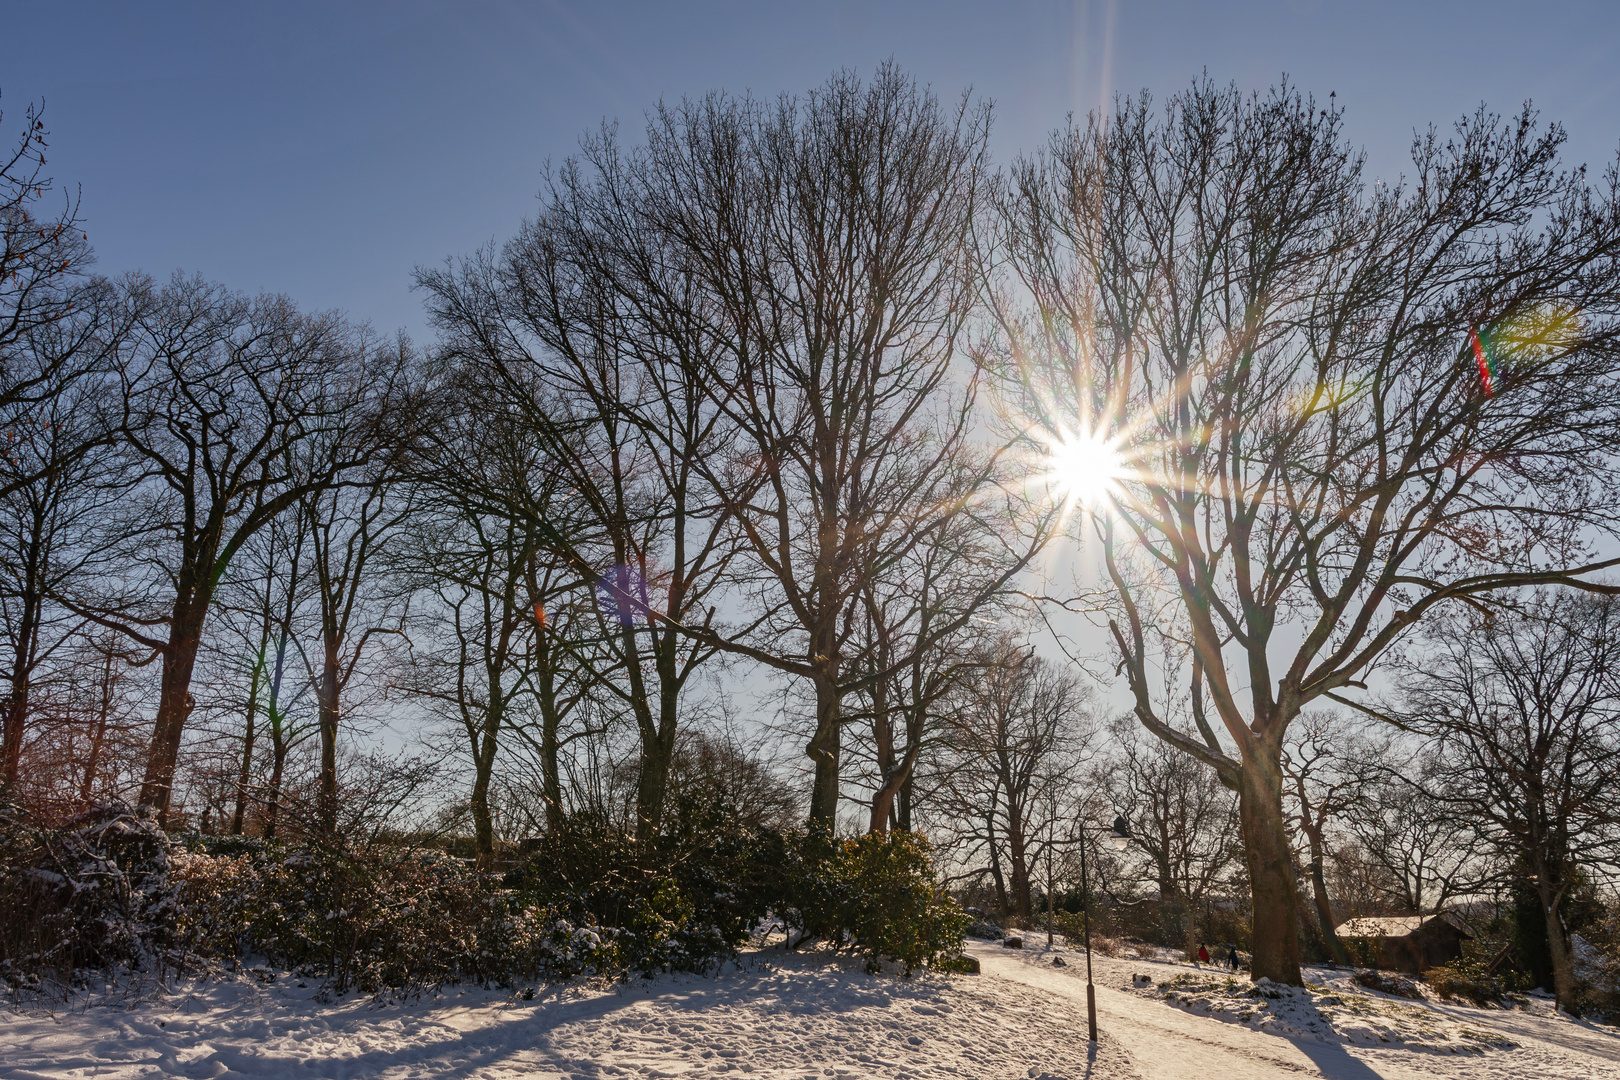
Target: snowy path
(1164,1043)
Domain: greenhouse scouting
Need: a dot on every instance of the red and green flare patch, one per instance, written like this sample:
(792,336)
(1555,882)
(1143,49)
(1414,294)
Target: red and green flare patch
(1485,356)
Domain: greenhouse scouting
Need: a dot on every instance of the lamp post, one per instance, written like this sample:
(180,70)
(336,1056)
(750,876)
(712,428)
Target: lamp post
(1120,836)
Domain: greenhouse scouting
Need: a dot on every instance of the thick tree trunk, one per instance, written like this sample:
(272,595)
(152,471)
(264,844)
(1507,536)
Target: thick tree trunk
(1017,856)
(1559,947)
(824,749)
(327,697)
(174,703)
(1275,940)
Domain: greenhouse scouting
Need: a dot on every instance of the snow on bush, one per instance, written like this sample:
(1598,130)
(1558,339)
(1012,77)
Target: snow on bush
(94,895)
(113,892)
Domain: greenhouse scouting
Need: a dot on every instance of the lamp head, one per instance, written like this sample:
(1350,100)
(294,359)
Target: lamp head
(1121,836)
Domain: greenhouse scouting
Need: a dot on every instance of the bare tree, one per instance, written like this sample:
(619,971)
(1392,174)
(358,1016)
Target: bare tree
(902,670)
(220,391)
(1014,750)
(1423,852)
(834,235)
(1526,706)
(1318,407)
(350,530)
(1182,818)
(44,257)
(1329,774)
(505,644)
(51,535)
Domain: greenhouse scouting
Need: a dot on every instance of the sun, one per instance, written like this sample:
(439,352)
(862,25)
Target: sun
(1084,468)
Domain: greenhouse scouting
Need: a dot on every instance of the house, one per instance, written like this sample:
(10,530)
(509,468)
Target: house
(1412,943)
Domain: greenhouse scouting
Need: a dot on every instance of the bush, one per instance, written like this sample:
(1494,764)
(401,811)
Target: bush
(1385,983)
(95,894)
(113,890)
(369,919)
(1466,982)
(683,902)
(875,894)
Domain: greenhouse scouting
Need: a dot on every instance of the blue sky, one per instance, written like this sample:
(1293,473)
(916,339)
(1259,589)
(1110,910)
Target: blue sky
(324,149)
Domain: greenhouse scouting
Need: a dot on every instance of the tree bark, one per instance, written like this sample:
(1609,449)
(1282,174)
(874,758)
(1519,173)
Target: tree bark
(174,700)
(824,749)
(272,799)
(1275,942)
(327,693)
(1550,892)
(244,772)
(484,764)
(550,736)
(98,735)
(16,709)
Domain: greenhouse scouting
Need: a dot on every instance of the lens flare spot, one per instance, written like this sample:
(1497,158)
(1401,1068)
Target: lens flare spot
(1085,468)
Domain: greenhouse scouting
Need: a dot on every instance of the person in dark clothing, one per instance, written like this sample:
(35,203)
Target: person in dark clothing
(1232,957)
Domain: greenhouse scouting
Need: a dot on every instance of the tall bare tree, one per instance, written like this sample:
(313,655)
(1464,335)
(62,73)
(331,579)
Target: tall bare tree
(833,234)
(220,391)
(1526,706)
(1319,406)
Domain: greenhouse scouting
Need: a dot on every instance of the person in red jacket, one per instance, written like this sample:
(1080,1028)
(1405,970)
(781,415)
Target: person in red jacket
(1203,953)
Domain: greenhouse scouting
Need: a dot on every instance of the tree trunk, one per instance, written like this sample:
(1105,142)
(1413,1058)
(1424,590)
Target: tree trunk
(244,773)
(1017,855)
(1271,868)
(272,801)
(996,875)
(550,747)
(484,766)
(1559,947)
(238,816)
(16,709)
(824,750)
(98,734)
(244,776)
(657,745)
(1324,910)
(174,703)
(896,784)
(327,692)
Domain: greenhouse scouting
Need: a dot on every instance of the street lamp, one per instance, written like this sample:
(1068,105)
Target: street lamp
(1120,837)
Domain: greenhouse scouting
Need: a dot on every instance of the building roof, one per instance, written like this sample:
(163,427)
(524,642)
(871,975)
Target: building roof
(1396,925)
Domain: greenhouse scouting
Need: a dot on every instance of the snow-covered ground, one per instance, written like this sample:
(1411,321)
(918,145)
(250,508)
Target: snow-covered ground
(773,1015)
(1162,1041)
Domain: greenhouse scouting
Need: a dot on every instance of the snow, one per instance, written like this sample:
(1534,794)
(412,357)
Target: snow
(1163,1041)
(771,1015)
